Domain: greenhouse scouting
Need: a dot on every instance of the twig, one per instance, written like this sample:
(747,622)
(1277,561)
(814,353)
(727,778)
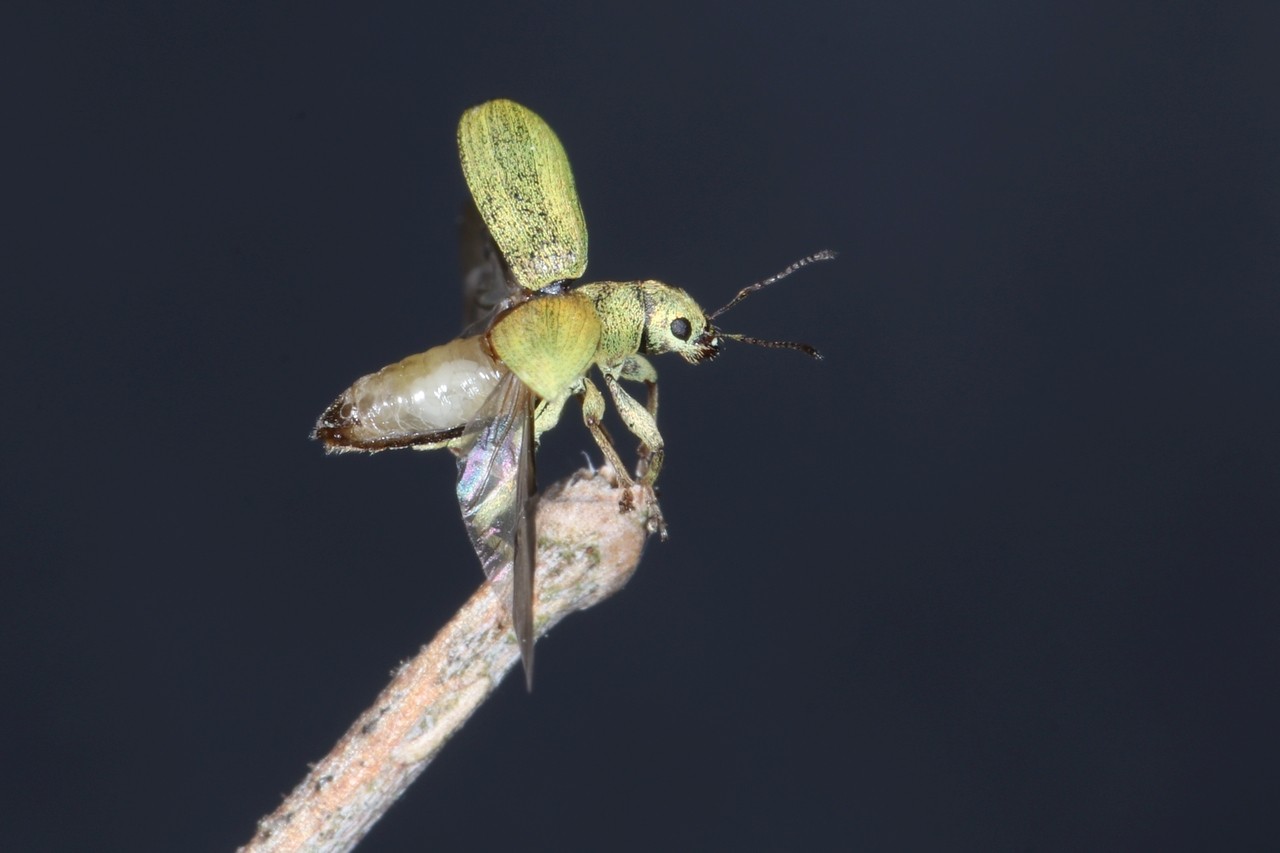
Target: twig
(587,550)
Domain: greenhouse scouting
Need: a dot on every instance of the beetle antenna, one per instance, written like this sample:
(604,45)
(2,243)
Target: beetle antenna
(824,255)
(804,348)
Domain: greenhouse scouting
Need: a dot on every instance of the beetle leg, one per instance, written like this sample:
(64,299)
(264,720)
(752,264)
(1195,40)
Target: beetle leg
(643,426)
(592,415)
(638,369)
(547,415)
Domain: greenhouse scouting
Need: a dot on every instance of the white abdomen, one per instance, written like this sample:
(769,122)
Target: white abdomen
(423,400)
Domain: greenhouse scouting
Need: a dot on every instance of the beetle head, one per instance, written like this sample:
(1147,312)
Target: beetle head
(674,322)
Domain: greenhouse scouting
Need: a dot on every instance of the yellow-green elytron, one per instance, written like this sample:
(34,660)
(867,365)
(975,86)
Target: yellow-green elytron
(532,339)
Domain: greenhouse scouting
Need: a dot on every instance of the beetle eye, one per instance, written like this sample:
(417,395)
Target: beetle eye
(681,329)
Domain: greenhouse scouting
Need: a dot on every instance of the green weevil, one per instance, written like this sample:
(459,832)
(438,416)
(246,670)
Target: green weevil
(532,337)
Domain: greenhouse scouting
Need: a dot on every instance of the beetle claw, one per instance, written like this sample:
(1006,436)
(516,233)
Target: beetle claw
(654,521)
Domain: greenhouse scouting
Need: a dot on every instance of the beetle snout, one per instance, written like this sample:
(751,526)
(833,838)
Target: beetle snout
(706,346)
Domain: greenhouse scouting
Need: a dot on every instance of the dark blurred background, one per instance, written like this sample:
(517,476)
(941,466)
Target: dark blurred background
(999,574)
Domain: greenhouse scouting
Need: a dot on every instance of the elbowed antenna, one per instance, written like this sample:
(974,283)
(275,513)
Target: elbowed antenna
(824,255)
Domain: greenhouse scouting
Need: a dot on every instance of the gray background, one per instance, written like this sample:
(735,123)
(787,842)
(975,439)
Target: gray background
(998,574)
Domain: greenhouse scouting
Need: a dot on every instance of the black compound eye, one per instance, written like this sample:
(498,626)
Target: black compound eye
(681,328)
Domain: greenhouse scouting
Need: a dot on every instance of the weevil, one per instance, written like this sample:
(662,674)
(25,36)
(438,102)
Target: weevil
(532,336)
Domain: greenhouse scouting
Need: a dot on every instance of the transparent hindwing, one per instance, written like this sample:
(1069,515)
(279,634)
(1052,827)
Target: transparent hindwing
(497,488)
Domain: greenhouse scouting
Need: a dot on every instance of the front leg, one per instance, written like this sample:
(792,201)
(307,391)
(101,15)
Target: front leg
(643,426)
(637,368)
(592,415)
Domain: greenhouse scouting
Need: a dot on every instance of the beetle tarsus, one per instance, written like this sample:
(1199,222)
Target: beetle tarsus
(655,522)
